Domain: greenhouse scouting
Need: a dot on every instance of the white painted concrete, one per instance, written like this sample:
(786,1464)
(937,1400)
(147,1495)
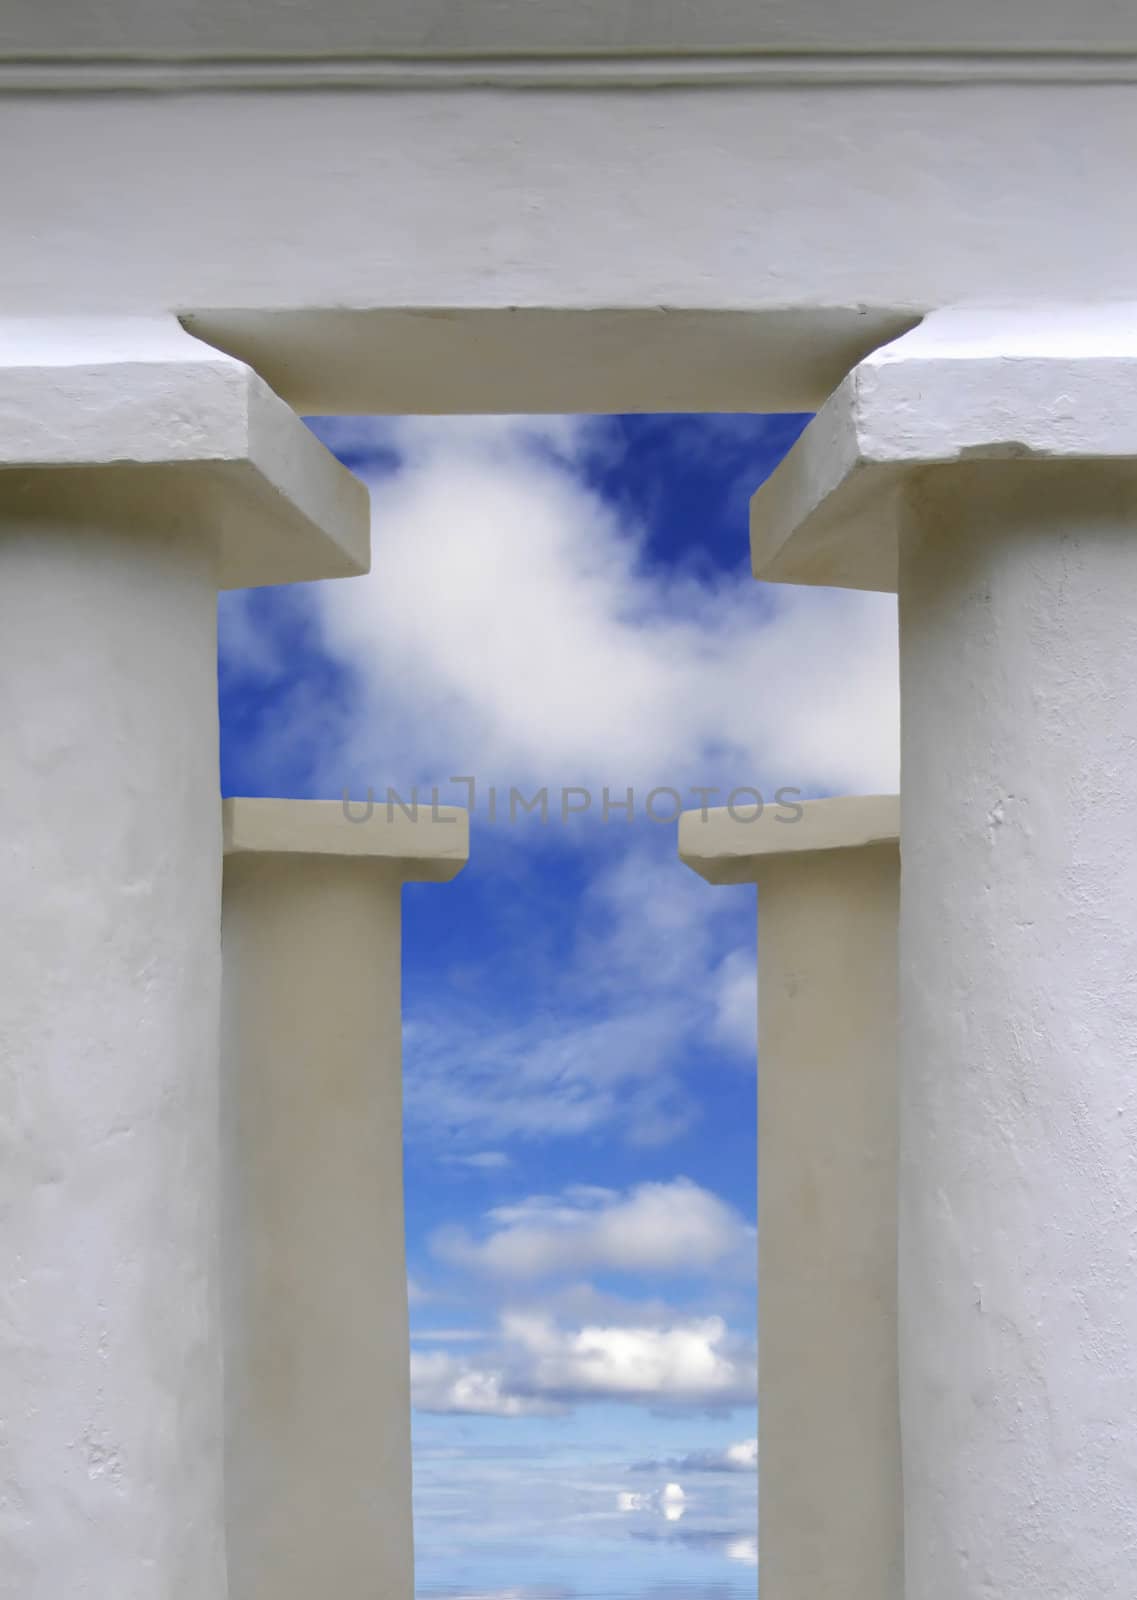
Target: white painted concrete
(318,1399)
(1018,1004)
(110,1351)
(1019,1035)
(363,207)
(1044,383)
(175,428)
(140,468)
(830,1497)
(264,28)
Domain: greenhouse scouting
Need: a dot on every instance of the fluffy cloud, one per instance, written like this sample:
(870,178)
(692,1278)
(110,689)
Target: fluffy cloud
(686,1364)
(440,1382)
(539,1368)
(736,1004)
(512,627)
(673,1227)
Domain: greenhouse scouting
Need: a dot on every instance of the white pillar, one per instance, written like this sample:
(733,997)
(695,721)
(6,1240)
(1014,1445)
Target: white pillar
(318,1391)
(124,469)
(1017,574)
(829,1498)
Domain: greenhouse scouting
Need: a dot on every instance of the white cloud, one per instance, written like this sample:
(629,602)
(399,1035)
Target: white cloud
(674,1227)
(485,1160)
(441,1382)
(687,1364)
(472,1073)
(603,1035)
(540,1368)
(449,1335)
(741,1457)
(670,1502)
(736,1004)
(511,627)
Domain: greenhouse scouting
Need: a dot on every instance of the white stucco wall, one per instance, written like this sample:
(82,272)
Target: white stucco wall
(110,880)
(827,208)
(1018,1301)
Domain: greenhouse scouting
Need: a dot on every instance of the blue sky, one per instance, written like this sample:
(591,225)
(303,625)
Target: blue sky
(566,602)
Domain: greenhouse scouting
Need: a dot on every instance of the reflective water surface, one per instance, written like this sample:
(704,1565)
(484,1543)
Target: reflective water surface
(504,1524)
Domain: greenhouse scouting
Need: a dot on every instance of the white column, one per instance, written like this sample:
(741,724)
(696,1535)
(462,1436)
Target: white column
(1017,545)
(829,1498)
(318,1394)
(124,467)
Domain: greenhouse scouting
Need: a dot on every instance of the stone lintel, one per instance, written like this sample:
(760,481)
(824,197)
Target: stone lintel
(427,848)
(139,412)
(724,850)
(1043,383)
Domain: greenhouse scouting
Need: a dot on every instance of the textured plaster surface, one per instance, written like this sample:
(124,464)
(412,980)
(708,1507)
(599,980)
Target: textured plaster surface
(1044,383)
(110,879)
(167,420)
(1018,997)
(318,1452)
(361,207)
(726,849)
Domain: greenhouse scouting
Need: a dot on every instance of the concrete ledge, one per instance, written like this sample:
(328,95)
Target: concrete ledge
(1038,384)
(426,849)
(749,68)
(150,415)
(550,359)
(723,850)
(209,31)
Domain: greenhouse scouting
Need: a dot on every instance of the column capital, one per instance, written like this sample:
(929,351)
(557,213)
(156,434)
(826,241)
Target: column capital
(133,417)
(724,849)
(1043,383)
(431,847)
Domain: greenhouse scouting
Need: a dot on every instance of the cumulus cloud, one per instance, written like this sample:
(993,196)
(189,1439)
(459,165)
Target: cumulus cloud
(674,1227)
(441,1382)
(513,626)
(690,1363)
(541,645)
(539,1368)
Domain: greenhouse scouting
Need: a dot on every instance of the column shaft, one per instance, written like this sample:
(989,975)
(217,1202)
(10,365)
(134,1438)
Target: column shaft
(318,1458)
(1019,1033)
(830,1508)
(110,875)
